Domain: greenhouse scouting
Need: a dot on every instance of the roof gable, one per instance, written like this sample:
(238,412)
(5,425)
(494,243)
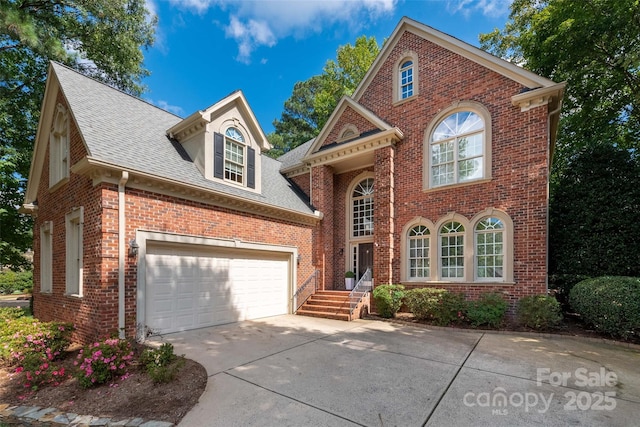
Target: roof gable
(526,78)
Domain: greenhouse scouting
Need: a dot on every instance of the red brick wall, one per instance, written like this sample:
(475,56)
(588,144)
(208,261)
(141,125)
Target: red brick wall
(96,313)
(303,182)
(349,116)
(519,163)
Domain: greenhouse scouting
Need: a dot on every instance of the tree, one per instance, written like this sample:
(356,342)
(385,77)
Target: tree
(594,220)
(100,38)
(313,100)
(593,45)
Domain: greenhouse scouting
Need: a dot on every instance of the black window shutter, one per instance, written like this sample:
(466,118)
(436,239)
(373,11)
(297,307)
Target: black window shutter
(251,167)
(218,155)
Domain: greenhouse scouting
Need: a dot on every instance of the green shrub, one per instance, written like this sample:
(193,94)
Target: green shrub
(16,282)
(489,310)
(450,309)
(610,304)
(388,299)
(161,364)
(104,361)
(538,312)
(422,302)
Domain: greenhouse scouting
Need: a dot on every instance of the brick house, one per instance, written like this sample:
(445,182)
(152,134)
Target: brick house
(433,173)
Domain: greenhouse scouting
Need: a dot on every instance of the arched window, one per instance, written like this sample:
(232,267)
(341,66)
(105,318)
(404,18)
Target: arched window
(59,147)
(489,249)
(458,149)
(452,251)
(405,79)
(234,155)
(362,208)
(418,253)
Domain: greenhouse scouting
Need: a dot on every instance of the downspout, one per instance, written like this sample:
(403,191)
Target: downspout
(122,246)
(549,160)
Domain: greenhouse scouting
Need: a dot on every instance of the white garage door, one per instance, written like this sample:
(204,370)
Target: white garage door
(190,287)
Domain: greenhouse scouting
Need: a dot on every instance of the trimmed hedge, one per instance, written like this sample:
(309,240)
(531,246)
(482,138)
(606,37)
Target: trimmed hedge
(610,304)
(423,302)
(450,309)
(489,310)
(538,312)
(388,299)
(16,282)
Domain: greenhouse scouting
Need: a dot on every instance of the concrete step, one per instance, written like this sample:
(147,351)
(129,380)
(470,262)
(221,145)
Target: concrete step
(325,315)
(326,309)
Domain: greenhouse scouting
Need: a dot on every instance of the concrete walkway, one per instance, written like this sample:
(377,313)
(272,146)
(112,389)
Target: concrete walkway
(299,371)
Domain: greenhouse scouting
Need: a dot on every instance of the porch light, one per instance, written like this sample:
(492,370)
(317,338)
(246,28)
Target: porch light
(133,248)
(299,258)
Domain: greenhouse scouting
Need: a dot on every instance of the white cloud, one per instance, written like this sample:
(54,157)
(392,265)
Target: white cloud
(255,24)
(489,8)
(175,109)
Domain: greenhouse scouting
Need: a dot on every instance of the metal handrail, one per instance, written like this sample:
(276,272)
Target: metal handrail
(360,290)
(306,290)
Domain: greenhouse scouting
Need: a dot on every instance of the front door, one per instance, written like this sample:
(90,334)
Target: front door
(365,259)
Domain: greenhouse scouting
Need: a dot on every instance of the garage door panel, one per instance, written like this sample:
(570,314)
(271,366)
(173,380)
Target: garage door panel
(192,287)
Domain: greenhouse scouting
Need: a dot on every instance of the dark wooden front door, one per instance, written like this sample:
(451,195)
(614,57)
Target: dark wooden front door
(365,258)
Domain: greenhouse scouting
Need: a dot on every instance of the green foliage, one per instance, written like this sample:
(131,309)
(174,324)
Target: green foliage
(609,304)
(388,299)
(11,281)
(592,46)
(538,312)
(313,100)
(450,309)
(349,275)
(594,217)
(21,335)
(161,364)
(104,361)
(489,310)
(101,38)
(422,302)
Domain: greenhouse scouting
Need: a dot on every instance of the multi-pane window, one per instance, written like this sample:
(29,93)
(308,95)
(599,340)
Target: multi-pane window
(406,79)
(74,270)
(452,250)
(59,147)
(457,149)
(362,208)
(234,156)
(46,256)
(489,239)
(418,241)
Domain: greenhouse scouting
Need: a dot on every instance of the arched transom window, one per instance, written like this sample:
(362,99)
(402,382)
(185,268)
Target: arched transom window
(489,239)
(457,149)
(418,251)
(406,79)
(452,250)
(362,208)
(234,155)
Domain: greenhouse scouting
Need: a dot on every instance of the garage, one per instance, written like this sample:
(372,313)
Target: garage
(195,286)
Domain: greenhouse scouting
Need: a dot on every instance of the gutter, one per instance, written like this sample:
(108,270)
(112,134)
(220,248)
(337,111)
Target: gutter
(121,252)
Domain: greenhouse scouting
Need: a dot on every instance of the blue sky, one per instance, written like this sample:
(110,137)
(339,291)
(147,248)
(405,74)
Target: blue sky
(206,49)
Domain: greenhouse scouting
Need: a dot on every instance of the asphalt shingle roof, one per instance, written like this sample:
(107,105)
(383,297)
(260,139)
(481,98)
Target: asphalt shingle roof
(130,133)
(295,156)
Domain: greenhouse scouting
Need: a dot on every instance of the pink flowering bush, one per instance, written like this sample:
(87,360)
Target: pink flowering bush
(33,346)
(104,361)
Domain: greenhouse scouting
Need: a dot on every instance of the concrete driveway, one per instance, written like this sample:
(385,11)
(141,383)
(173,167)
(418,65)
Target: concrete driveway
(300,371)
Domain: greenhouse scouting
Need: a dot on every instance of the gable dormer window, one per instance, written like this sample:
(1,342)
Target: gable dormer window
(234,156)
(234,160)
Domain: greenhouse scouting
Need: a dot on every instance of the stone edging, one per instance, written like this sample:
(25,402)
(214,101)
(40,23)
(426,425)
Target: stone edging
(40,417)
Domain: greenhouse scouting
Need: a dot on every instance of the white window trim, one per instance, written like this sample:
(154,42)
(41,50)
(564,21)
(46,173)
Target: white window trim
(349,200)
(46,257)
(404,251)
(74,251)
(397,94)
(243,145)
(59,148)
(472,106)
(507,242)
(467,248)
